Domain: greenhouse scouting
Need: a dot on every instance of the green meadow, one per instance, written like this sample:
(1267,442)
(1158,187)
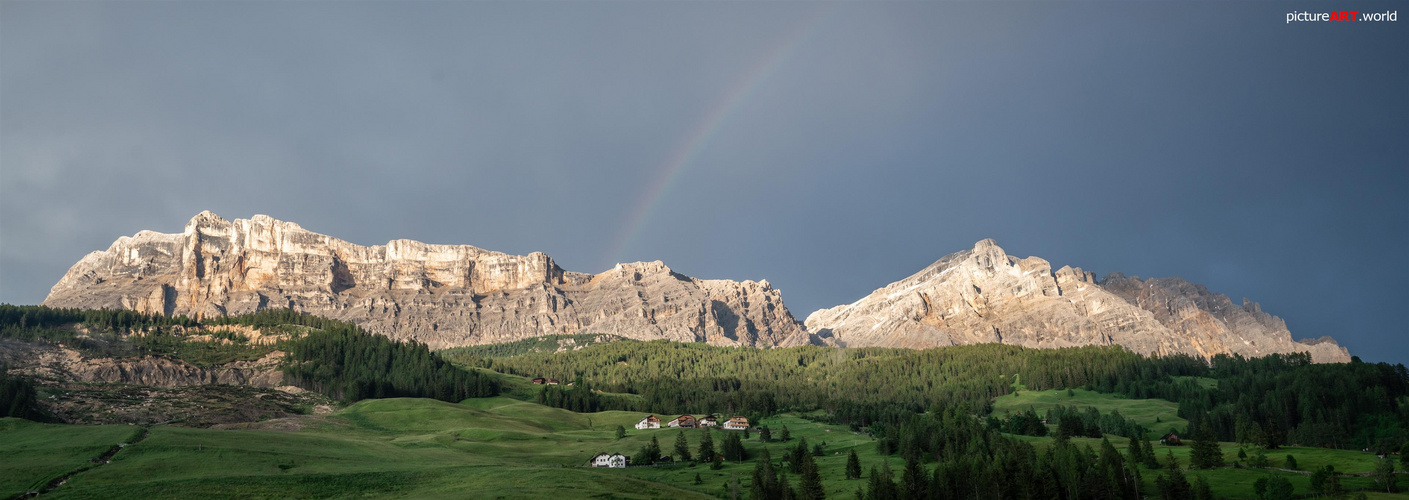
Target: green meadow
(481,448)
(1227,482)
(1157,415)
(33,454)
(500,448)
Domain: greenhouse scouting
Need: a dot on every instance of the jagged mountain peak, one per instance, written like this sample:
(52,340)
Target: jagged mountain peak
(985,295)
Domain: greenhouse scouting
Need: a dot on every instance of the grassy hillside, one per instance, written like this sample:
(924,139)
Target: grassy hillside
(1157,415)
(486,448)
(36,453)
(491,447)
(1237,483)
(1225,482)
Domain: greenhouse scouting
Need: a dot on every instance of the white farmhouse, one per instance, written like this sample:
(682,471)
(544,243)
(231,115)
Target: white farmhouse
(736,424)
(612,460)
(650,422)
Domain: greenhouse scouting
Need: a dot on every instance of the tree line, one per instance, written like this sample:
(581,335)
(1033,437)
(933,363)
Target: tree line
(1274,400)
(18,398)
(1286,399)
(858,385)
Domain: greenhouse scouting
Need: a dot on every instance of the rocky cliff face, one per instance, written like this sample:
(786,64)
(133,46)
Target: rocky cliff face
(1212,321)
(454,295)
(62,364)
(442,295)
(985,295)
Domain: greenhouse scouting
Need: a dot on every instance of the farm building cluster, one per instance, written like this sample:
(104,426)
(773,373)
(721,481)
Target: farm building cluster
(617,460)
(736,423)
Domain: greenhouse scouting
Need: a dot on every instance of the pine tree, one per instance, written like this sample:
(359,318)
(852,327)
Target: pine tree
(1204,454)
(1171,484)
(799,453)
(682,447)
(914,480)
(733,448)
(765,479)
(706,453)
(853,466)
(1112,466)
(810,483)
(649,453)
(1135,450)
(1273,437)
(881,485)
(1151,460)
(620,432)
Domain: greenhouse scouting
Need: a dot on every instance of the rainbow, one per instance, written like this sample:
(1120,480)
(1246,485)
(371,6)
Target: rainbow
(708,126)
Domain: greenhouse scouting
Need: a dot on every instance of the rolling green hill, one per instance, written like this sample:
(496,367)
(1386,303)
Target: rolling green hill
(1157,415)
(483,448)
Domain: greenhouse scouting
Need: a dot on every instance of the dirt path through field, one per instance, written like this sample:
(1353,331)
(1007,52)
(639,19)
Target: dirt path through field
(95,462)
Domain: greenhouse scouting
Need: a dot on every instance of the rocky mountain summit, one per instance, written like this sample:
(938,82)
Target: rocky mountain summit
(985,295)
(441,295)
(456,295)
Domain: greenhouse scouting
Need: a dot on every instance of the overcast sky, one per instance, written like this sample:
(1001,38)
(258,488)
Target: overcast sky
(831,148)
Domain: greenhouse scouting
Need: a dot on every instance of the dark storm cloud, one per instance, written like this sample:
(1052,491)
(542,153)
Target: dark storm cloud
(1210,141)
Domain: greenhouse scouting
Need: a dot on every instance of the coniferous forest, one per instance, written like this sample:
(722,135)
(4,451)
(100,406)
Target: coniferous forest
(347,363)
(1274,400)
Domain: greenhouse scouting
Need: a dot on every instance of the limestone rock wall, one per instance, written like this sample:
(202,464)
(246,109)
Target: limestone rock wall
(67,365)
(455,295)
(1212,321)
(985,295)
(442,295)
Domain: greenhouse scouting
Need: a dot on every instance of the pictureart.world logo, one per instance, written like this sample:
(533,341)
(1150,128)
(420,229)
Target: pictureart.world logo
(1342,15)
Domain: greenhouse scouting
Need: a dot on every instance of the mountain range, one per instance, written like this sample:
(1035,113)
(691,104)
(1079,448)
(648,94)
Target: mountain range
(456,295)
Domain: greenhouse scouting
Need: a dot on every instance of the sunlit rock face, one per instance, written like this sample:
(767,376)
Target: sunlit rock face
(454,295)
(984,295)
(441,295)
